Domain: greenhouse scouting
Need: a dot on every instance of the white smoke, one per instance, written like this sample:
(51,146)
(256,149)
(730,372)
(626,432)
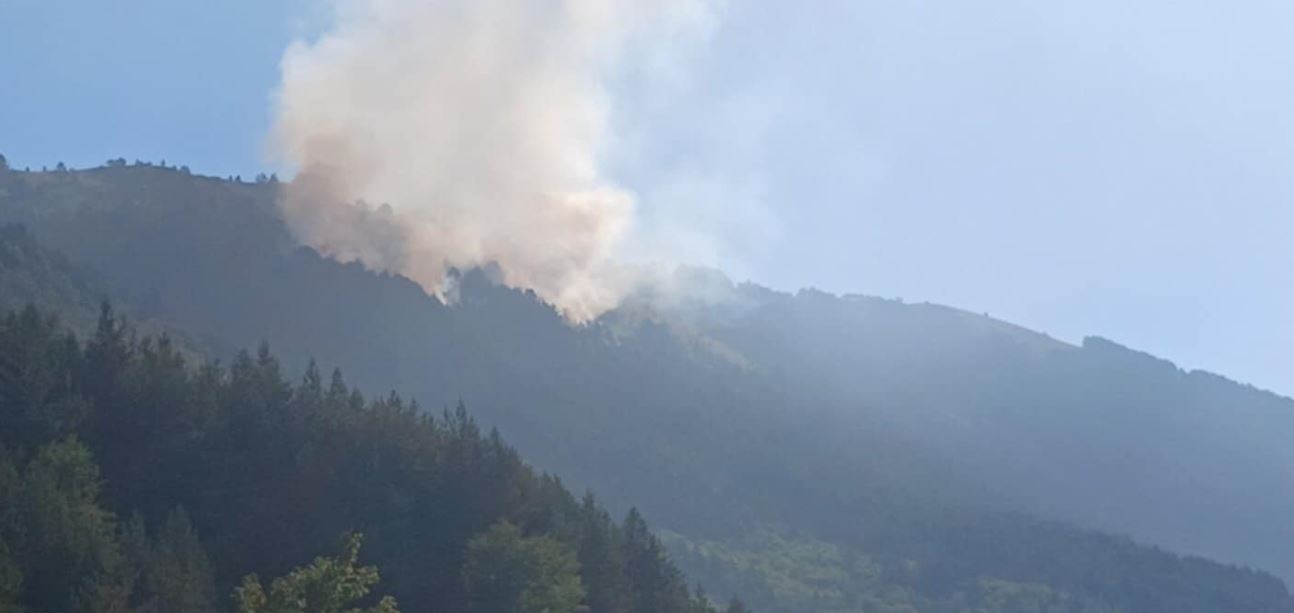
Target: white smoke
(437,134)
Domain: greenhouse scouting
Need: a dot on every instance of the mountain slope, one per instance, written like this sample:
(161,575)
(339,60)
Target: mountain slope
(32,274)
(1098,434)
(905,435)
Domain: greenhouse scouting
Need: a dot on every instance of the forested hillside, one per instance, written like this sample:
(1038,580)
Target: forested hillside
(1097,434)
(33,274)
(133,480)
(814,452)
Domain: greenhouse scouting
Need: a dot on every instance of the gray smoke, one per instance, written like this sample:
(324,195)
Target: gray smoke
(430,135)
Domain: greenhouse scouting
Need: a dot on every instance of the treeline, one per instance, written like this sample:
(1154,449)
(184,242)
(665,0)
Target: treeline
(120,162)
(131,480)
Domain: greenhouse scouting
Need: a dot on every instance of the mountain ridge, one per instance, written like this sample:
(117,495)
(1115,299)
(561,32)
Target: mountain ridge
(879,426)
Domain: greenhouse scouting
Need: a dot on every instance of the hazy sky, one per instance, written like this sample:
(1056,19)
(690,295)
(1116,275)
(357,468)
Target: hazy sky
(1124,169)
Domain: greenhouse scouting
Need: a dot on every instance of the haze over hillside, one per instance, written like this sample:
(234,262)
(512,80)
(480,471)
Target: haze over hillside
(865,306)
(774,436)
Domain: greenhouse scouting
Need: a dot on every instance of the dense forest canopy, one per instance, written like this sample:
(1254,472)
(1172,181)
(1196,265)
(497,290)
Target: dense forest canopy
(134,480)
(809,452)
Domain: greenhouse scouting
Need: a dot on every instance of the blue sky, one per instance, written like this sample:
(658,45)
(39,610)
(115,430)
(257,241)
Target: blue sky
(88,80)
(1099,167)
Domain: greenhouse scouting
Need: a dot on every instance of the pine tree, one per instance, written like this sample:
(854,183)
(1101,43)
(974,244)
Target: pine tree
(655,583)
(107,356)
(175,572)
(601,560)
(272,469)
(36,361)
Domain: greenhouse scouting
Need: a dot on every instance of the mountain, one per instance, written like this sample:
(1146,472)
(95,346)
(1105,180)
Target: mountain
(1097,434)
(817,452)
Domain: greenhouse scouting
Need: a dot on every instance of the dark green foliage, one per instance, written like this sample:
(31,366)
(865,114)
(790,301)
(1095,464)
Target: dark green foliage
(40,405)
(63,543)
(654,584)
(602,560)
(267,471)
(10,580)
(174,572)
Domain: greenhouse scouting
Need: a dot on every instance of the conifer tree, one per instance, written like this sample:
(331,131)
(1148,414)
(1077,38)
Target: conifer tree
(175,573)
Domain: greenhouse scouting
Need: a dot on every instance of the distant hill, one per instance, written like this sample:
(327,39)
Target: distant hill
(824,453)
(1100,435)
(33,274)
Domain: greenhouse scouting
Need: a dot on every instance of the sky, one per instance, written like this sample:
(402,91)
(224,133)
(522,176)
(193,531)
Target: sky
(1080,168)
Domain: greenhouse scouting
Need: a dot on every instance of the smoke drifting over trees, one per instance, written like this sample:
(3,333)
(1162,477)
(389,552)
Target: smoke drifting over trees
(457,134)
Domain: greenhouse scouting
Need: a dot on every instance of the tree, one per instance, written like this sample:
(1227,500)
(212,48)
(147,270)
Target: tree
(175,572)
(10,581)
(35,358)
(55,529)
(328,585)
(270,469)
(655,583)
(601,563)
(4,163)
(508,573)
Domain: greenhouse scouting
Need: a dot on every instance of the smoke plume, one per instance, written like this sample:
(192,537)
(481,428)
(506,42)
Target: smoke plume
(431,135)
